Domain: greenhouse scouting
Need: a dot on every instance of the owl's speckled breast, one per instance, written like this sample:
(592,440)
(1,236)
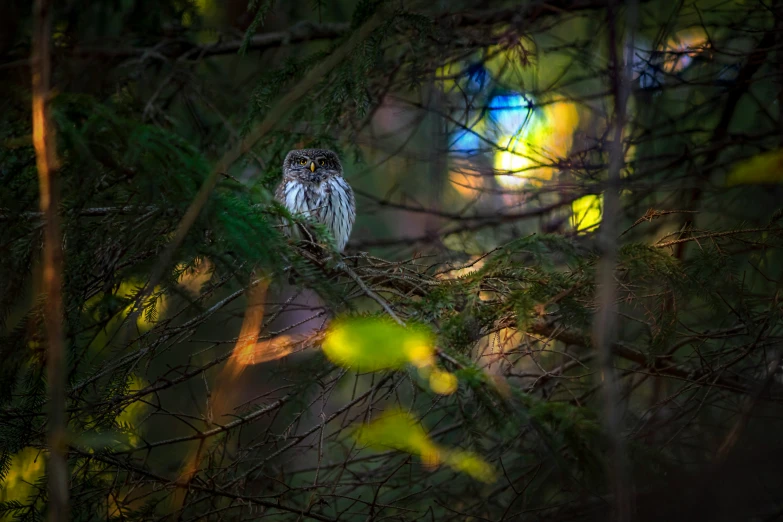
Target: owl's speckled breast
(329,202)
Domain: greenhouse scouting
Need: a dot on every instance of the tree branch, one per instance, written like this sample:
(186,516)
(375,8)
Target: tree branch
(45,144)
(299,33)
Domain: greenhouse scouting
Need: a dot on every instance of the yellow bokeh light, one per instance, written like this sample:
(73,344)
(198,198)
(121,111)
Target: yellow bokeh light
(514,168)
(682,48)
(419,353)
(377,343)
(546,141)
(762,169)
(587,212)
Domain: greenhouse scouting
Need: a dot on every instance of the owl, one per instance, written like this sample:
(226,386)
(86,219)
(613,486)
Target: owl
(313,186)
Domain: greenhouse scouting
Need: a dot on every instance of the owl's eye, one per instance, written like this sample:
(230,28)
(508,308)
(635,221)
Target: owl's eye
(323,163)
(302,161)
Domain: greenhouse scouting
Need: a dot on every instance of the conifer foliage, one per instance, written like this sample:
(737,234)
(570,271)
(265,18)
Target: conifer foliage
(465,359)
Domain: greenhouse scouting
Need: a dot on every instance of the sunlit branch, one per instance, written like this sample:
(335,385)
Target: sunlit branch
(49,198)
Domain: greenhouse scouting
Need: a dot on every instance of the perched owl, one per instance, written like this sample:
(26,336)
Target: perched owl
(313,185)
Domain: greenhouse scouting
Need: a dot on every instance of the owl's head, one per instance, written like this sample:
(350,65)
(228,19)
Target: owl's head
(311,165)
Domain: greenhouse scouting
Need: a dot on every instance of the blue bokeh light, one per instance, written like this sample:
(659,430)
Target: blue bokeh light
(465,143)
(509,115)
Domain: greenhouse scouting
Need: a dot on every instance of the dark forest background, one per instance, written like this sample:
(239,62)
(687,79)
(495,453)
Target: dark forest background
(561,299)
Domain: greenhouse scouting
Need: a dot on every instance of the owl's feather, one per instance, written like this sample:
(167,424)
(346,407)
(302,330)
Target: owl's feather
(321,195)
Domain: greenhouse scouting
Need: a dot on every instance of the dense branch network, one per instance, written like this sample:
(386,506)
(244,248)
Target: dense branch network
(173,247)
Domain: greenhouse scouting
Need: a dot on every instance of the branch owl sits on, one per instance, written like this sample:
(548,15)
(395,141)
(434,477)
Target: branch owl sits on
(313,186)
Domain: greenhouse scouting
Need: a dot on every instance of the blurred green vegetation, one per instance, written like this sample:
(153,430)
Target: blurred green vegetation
(378,343)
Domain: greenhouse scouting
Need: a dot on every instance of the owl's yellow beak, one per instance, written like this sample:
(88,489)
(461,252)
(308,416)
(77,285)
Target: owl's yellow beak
(312,166)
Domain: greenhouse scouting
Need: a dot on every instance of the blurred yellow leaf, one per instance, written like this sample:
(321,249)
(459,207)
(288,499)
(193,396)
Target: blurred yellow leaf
(443,383)
(471,464)
(396,429)
(375,343)
(766,168)
(399,430)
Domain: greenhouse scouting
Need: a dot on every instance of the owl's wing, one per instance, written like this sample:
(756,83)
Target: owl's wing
(344,212)
(280,192)
(288,229)
(351,207)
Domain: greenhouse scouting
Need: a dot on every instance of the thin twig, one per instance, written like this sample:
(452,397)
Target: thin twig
(372,295)
(653,214)
(273,118)
(715,235)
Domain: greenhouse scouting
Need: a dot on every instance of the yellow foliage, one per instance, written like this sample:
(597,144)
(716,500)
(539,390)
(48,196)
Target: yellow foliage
(509,62)
(131,414)
(515,166)
(144,323)
(765,168)
(399,430)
